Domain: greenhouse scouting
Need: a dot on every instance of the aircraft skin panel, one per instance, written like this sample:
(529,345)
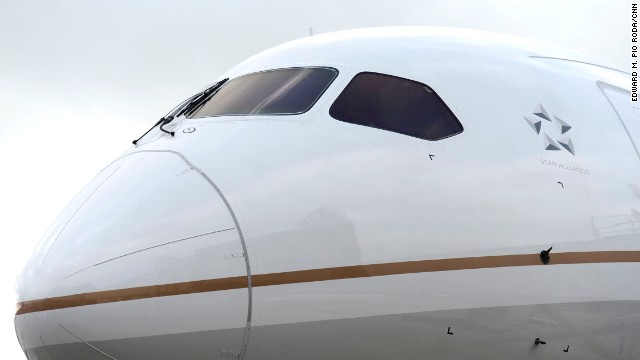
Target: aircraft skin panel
(445,290)
(480,333)
(501,332)
(356,298)
(424,208)
(157,228)
(160,347)
(317,238)
(125,240)
(224,312)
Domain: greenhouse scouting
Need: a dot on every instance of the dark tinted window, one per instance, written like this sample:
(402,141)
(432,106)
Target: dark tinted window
(283,91)
(395,104)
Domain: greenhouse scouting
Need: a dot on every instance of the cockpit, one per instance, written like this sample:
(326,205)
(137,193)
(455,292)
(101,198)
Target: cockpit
(370,99)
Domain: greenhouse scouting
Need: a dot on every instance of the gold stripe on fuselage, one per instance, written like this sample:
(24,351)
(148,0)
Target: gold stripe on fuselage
(336,273)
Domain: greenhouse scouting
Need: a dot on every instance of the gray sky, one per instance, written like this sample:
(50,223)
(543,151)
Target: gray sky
(80,79)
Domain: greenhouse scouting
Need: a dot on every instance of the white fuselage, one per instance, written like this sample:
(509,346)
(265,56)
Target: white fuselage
(304,237)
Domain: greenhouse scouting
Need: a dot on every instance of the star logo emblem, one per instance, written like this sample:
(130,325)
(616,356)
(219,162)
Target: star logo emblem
(540,116)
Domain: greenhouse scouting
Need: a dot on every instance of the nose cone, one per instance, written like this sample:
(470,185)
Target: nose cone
(146,262)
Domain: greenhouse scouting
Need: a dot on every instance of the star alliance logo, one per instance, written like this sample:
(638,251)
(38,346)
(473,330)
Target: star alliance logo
(535,121)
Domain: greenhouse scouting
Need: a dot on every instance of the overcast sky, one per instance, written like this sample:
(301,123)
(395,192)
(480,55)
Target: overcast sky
(80,79)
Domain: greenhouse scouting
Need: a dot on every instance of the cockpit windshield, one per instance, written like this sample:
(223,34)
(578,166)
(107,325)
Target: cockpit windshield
(274,92)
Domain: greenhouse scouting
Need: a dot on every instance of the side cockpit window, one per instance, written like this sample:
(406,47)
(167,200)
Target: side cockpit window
(395,104)
(273,92)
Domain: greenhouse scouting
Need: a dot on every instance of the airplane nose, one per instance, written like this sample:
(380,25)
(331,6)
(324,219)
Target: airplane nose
(146,262)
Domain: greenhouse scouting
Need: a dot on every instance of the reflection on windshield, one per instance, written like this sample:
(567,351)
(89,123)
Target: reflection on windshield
(274,92)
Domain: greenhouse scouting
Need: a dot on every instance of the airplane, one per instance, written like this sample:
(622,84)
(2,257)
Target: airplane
(383,193)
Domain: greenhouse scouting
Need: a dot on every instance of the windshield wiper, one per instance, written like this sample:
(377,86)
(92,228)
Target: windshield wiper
(162,122)
(186,107)
(200,99)
(165,120)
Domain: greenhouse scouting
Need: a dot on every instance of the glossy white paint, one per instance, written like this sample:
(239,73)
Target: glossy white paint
(429,292)
(146,219)
(307,192)
(219,310)
(146,216)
